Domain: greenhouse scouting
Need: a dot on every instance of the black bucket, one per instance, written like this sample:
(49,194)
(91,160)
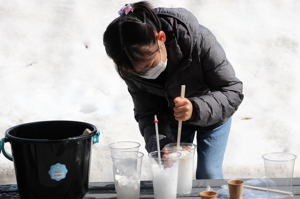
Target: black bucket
(51,158)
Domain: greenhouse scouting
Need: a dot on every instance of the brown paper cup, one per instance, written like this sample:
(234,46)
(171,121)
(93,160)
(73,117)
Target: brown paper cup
(208,195)
(235,188)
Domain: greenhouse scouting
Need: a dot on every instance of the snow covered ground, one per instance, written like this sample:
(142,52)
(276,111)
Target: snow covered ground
(53,66)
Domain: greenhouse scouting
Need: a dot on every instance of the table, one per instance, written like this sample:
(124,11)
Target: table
(98,190)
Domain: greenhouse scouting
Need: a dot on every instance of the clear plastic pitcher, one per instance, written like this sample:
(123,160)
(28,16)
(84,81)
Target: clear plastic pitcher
(127,174)
(279,167)
(120,146)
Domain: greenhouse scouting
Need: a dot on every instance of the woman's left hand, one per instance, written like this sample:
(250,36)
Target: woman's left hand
(183,109)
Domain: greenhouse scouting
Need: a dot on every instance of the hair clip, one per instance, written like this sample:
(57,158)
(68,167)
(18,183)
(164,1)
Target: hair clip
(125,9)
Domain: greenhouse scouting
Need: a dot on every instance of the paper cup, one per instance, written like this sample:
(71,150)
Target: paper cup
(208,195)
(235,188)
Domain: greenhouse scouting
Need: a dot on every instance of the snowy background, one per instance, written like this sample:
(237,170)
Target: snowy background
(53,66)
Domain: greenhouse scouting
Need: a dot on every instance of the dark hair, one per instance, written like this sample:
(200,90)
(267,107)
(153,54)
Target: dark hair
(126,34)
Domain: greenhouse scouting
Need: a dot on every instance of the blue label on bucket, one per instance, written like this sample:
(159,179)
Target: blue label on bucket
(58,172)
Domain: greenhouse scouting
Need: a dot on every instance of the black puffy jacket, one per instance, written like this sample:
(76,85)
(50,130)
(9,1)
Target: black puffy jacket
(195,59)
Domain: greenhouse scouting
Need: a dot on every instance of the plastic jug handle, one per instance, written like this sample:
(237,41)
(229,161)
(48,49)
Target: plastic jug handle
(2,142)
(95,138)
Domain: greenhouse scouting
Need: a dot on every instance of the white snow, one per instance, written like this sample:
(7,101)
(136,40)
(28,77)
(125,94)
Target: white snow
(53,66)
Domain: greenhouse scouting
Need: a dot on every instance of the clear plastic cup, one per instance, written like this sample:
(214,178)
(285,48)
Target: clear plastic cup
(186,166)
(120,146)
(127,174)
(279,167)
(165,174)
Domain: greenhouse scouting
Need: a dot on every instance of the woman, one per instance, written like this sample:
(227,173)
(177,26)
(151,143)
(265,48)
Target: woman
(158,50)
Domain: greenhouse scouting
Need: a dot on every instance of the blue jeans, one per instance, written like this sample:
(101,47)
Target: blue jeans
(211,145)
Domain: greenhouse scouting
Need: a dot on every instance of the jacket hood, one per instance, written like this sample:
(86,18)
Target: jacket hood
(178,25)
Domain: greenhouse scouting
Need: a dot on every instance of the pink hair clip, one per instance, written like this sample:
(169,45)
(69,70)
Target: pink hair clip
(125,9)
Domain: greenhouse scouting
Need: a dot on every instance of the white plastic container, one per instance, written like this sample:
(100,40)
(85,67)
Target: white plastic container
(186,166)
(165,175)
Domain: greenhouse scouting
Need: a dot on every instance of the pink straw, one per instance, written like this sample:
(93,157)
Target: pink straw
(157,138)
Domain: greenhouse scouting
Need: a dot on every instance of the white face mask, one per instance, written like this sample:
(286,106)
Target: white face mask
(154,72)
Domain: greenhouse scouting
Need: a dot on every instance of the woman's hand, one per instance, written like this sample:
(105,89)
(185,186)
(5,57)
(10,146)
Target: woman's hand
(183,109)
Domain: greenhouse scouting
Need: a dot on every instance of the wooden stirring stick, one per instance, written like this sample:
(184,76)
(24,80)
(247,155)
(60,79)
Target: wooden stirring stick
(270,190)
(182,93)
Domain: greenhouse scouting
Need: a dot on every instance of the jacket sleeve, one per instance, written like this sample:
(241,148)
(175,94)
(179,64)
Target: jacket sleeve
(146,105)
(225,88)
